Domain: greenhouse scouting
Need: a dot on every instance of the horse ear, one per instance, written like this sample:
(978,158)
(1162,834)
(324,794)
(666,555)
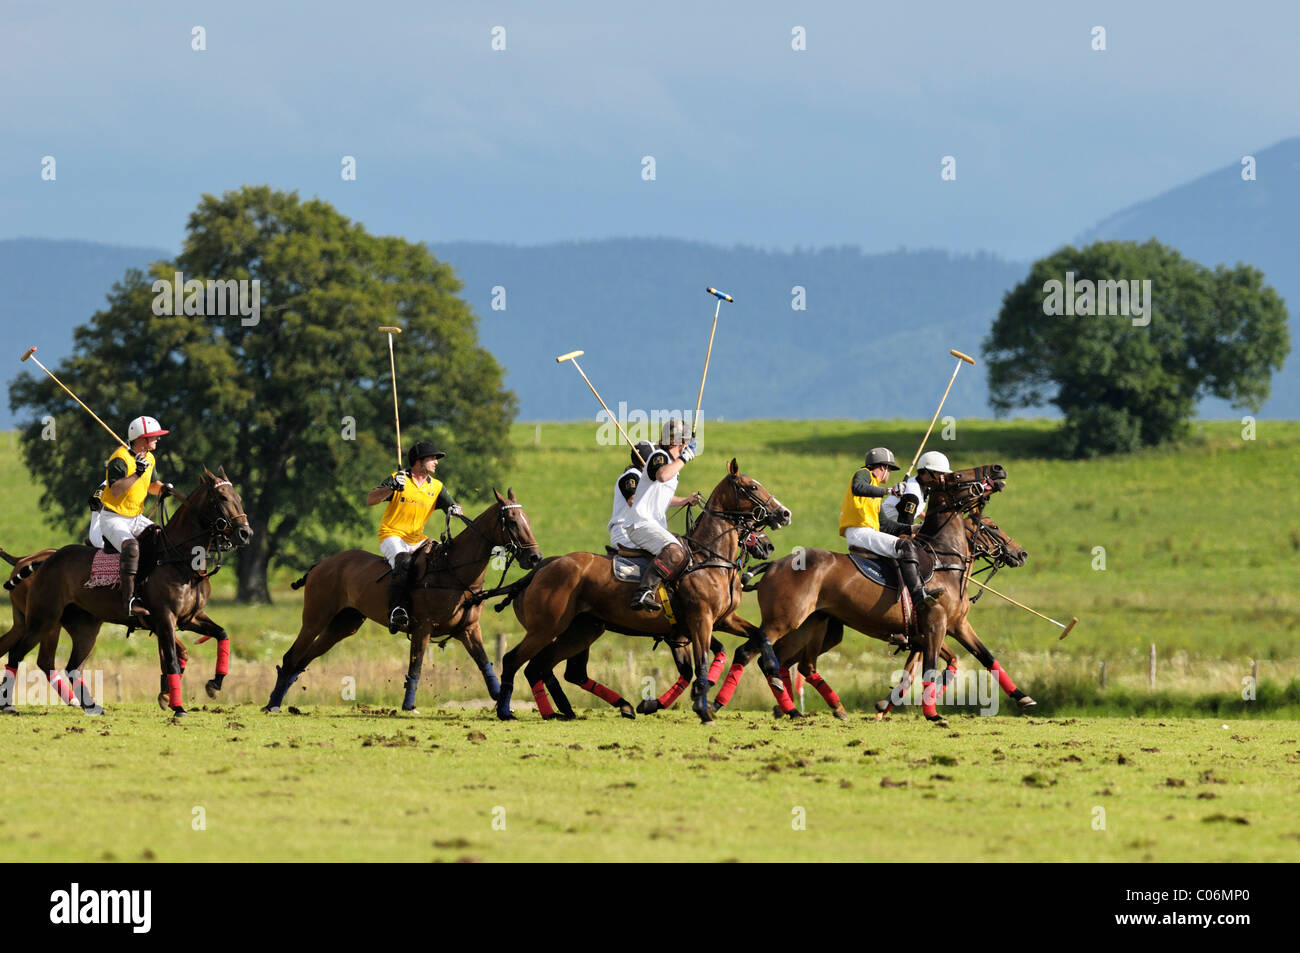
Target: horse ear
(209,475)
(510,492)
(733,468)
(498,496)
(221,472)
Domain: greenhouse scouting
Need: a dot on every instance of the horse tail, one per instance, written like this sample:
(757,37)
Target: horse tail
(302,580)
(22,573)
(513,590)
(749,581)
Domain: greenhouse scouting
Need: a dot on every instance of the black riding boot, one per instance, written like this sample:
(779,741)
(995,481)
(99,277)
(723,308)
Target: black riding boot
(644,597)
(128,565)
(398,616)
(907,561)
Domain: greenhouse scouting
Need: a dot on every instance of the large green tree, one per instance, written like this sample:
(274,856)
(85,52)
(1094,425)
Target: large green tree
(296,405)
(1127,380)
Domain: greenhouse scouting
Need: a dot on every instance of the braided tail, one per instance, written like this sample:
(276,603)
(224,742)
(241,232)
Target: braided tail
(302,581)
(513,590)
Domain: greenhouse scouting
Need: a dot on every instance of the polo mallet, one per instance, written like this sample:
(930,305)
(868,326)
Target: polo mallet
(1073,622)
(30,352)
(960,359)
(572,357)
(392,365)
(721,296)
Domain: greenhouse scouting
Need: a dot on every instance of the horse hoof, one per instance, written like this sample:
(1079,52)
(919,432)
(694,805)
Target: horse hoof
(648,706)
(179,712)
(795,713)
(8,710)
(883,706)
(1024,701)
(410,711)
(777,712)
(212,688)
(271,709)
(93,711)
(506,716)
(880,716)
(164,700)
(565,716)
(937,720)
(626,711)
(840,713)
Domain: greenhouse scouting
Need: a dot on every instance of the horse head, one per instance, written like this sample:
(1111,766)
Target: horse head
(513,531)
(986,538)
(757,545)
(220,511)
(742,501)
(961,489)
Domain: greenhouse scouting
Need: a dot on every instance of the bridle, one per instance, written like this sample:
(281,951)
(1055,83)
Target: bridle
(764,511)
(513,543)
(215,529)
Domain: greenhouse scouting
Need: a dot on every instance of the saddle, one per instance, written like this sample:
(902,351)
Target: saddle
(104,566)
(884,572)
(629,565)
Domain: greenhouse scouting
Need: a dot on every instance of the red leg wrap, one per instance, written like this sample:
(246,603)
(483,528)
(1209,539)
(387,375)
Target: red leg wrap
(1004,679)
(785,680)
(715,669)
(60,684)
(601,692)
(729,686)
(674,692)
(543,702)
(223,657)
(824,689)
(174,687)
(927,700)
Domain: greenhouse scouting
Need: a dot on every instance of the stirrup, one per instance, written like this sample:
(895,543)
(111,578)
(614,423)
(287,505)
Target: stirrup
(136,607)
(398,619)
(645,600)
(928,597)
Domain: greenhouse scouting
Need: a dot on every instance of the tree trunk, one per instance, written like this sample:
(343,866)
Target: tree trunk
(253,560)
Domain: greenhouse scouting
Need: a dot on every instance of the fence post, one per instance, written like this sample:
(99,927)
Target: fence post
(501,650)
(1254,675)
(119,687)
(1151,668)
(537,435)
(1102,674)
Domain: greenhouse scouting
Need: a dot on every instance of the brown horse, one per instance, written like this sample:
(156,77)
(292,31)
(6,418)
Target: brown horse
(75,622)
(577,596)
(446,596)
(210,520)
(572,647)
(987,543)
(817,580)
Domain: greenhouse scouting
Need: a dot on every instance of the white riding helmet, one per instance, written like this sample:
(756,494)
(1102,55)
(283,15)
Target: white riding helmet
(144,427)
(933,460)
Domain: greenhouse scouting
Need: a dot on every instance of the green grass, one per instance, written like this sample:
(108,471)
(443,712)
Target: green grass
(1201,540)
(352,784)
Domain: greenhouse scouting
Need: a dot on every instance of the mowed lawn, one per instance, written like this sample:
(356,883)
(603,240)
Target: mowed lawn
(363,784)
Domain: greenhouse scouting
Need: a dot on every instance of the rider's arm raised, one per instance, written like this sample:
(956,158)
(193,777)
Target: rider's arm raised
(862,485)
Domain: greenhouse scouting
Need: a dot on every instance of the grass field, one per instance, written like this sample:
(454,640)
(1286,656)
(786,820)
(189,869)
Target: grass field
(1194,563)
(348,784)
(1200,543)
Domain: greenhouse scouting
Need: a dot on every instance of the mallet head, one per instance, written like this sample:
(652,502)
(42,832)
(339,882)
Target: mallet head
(392,330)
(568,357)
(720,294)
(28,353)
(962,357)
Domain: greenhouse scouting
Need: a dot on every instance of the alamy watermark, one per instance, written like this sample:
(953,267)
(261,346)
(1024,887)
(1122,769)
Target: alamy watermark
(637,424)
(1109,298)
(966,687)
(212,298)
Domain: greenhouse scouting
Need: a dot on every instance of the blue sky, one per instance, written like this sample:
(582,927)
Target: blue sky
(754,143)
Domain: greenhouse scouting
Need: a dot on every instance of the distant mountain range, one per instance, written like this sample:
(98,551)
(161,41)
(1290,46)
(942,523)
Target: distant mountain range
(871,341)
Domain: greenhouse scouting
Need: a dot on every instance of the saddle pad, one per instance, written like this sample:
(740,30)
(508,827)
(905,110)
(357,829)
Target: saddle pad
(884,572)
(103,570)
(629,570)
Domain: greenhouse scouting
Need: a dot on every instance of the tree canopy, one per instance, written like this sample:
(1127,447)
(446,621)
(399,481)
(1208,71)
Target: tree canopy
(1128,379)
(296,401)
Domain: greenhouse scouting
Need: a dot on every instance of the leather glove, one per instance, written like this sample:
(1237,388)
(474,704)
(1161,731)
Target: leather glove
(141,463)
(455,510)
(697,499)
(399,479)
(690,452)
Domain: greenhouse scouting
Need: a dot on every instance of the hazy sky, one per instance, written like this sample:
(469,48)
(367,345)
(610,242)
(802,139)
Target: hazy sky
(753,142)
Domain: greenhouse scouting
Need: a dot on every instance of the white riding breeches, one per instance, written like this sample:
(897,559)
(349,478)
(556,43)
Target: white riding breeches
(393,546)
(649,536)
(117,529)
(872,540)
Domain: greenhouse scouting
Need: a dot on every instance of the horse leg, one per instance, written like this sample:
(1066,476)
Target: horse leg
(419,645)
(744,655)
(165,629)
(701,635)
(472,639)
(84,628)
(967,637)
(299,654)
(208,629)
(681,658)
(576,671)
(719,660)
(538,673)
(949,675)
(933,632)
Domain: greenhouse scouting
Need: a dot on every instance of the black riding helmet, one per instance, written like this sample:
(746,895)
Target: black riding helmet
(644,448)
(422,450)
